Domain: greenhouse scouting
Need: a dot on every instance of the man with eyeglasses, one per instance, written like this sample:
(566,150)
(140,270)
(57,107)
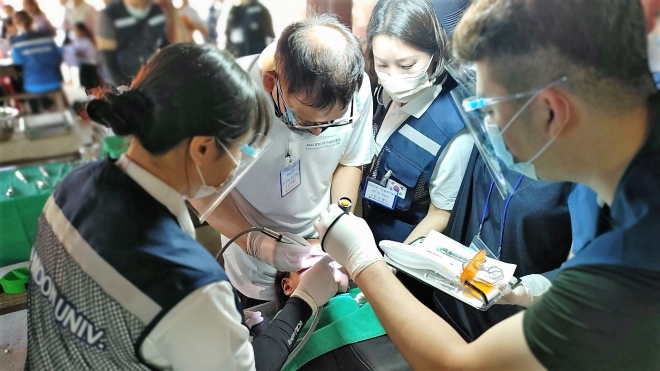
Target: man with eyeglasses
(322,137)
(589,114)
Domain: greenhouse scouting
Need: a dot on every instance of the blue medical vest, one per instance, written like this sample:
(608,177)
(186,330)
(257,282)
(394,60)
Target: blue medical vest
(634,216)
(109,261)
(40,58)
(412,165)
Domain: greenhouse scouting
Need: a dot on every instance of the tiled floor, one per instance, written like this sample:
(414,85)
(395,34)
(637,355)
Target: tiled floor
(13,341)
(13,335)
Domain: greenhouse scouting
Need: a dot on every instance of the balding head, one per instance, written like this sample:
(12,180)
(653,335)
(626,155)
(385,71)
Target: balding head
(321,60)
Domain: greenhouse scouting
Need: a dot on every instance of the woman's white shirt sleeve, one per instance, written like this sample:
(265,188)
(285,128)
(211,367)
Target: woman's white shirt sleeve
(202,332)
(450,170)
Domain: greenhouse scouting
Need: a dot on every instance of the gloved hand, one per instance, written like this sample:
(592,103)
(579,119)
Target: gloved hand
(318,284)
(349,241)
(282,256)
(530,290)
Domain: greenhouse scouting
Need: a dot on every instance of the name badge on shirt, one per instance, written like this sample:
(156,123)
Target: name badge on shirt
(478,244)
(290,178)
(375,192)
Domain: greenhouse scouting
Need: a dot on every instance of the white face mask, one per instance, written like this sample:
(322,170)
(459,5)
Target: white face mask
(494,133)
(138,13)
(404,88)
(207,190)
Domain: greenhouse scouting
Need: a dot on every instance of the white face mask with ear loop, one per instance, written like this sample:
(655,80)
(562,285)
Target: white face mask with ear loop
(207,190)
(404,88)
(495,135)
(139,13)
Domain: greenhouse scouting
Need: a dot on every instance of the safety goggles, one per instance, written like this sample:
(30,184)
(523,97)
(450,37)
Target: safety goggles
(477,103)
(246,148)
(472,111)
(292,121)
(251,151)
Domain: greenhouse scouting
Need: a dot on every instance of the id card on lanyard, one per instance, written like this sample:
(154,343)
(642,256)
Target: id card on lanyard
(378,191)
(290,176)
(477,243)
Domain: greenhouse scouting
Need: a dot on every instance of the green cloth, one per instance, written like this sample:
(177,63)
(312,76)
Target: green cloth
(114,146)
(19,214)
(343,322)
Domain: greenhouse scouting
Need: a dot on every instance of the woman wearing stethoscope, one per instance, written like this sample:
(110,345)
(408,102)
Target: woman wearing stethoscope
(118,280)
(422,144)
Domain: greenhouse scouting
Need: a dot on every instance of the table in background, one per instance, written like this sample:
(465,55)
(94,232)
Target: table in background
(19,213)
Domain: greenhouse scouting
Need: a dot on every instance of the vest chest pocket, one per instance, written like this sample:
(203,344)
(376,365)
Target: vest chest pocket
(404,173)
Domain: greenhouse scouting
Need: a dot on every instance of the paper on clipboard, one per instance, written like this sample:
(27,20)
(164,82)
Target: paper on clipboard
(441,271)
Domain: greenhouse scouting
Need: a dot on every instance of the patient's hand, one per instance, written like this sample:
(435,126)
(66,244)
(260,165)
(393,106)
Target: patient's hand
(341,278)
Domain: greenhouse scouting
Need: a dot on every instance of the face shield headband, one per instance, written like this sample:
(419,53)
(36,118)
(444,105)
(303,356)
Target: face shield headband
(471,108)
(250,154)
(466,79)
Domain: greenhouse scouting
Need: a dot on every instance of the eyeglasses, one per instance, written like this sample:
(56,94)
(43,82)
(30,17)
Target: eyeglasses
(290,120)
(479,103)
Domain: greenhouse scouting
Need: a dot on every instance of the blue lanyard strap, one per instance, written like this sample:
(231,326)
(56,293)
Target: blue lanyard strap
(485,212)
(504,211)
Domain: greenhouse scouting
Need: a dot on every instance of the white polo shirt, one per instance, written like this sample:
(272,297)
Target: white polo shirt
(262,201)
(452,163)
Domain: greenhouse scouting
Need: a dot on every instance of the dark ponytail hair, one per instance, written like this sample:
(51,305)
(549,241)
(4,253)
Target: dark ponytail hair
(185,90)
(412,22)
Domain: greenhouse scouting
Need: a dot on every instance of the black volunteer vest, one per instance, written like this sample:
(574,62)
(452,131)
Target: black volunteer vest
(137,39)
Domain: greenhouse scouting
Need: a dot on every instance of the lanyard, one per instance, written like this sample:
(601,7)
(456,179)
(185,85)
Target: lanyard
(506,207)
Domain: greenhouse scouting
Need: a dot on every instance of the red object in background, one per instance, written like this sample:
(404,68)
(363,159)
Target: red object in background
(9,88)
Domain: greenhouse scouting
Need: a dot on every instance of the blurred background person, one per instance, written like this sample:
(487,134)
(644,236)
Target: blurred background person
(40,58)
(249,28)
(39,19)
(191,20)
(87,55)
(212,21)
(8,30)
(78,11)
(9,10)
(129,32)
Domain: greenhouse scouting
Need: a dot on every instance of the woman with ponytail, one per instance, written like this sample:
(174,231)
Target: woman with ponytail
(118,280)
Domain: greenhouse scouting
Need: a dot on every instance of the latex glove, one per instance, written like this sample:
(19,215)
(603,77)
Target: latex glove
(530,290)
(349,241)
(252,318)
(341,276)
(282,256)
(318,284)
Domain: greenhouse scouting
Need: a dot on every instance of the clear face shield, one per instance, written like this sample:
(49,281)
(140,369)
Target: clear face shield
(465,76)
(250,154)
